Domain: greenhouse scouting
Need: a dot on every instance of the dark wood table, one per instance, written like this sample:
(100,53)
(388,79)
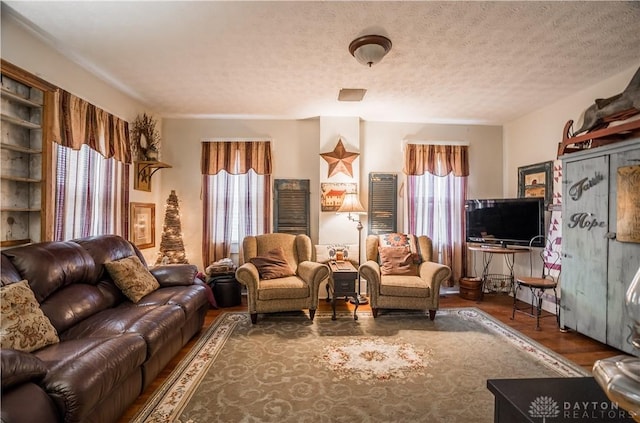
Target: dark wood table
(345,277)
(553,400)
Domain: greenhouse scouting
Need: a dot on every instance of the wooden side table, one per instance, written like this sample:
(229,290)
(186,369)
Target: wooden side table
(345,277)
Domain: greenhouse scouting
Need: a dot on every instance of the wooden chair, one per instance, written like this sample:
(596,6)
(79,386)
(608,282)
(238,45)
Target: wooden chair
(539,285)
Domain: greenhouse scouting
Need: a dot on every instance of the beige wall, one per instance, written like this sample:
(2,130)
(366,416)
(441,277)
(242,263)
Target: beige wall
(296,153)
(534,138)
(28,51)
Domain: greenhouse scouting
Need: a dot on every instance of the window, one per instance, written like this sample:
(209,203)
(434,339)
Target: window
(92,151)
(237,191)
(436,193)
(90,194)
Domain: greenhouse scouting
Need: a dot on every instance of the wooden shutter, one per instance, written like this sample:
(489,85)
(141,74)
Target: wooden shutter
(291,206)
(383,204)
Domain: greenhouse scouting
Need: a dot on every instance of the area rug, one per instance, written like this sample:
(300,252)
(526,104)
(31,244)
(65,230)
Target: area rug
(400,367)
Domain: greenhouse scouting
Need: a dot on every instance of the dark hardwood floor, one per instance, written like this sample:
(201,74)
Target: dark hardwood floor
(578,348)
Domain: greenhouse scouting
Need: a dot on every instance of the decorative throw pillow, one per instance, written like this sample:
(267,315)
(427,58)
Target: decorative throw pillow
(134,280)
(397,261)
(272,265)
(402,240)
(23,325)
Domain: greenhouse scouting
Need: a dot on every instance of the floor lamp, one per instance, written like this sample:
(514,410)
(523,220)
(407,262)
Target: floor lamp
(351,205)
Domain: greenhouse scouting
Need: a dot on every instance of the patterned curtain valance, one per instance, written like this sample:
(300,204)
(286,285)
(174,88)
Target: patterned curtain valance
(77,122)
(439,160)
(236,157)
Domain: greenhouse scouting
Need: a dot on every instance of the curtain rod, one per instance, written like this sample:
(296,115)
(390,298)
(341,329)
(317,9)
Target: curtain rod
(231,139)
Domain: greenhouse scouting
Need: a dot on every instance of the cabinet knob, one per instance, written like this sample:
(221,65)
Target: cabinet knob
(610,235)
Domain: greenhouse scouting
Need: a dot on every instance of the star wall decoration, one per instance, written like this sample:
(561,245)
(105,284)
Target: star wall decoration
(340,160)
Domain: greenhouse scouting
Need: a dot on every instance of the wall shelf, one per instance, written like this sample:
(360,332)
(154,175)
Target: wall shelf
(144,171)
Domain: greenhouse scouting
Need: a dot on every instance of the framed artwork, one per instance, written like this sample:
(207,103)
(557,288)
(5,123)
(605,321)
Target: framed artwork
(332,194)
(142,229)
(536,181)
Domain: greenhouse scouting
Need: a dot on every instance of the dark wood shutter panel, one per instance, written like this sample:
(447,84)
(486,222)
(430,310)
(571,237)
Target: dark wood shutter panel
(383,203)
(291,206)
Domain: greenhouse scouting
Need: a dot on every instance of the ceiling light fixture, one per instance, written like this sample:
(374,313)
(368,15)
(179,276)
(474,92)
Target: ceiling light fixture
(370,49)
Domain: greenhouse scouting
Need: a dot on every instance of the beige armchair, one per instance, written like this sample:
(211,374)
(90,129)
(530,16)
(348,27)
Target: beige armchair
(295,291)
(400,273)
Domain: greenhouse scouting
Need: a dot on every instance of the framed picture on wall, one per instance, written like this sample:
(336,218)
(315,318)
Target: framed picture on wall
(332,194)
(536,181)
(142,229)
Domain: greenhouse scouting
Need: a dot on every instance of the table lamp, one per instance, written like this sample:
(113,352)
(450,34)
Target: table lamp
(351,205)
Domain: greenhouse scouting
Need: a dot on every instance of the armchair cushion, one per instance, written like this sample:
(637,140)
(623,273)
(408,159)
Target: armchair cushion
(397,261)
(272,265)
(132,277)
(23,325)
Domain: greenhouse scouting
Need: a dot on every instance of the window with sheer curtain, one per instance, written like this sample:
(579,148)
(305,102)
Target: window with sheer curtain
(91,157)
(435,197)
(237,195)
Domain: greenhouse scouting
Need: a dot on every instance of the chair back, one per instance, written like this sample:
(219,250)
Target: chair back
(420,245)
(297,248)
(550,257)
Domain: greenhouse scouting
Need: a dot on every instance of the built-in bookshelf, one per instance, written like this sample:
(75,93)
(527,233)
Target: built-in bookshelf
(25,158)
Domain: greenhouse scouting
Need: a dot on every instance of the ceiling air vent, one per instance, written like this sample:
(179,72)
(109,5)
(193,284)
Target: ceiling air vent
(351,94)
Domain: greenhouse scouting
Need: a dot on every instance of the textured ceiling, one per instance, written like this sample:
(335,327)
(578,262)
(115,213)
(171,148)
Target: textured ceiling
(458,62)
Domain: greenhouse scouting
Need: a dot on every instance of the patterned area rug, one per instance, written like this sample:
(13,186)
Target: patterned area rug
(400,367)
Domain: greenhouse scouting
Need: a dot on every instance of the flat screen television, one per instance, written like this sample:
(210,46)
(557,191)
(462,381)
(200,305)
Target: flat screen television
(505,221)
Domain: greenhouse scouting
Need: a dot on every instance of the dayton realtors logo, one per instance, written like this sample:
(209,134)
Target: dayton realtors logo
(577,411)
(544,407)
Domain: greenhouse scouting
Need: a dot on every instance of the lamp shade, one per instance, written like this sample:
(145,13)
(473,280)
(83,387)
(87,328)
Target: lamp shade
(351,204)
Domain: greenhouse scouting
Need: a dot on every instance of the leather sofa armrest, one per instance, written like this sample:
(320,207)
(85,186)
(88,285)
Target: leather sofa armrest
(19,367)
(175,274)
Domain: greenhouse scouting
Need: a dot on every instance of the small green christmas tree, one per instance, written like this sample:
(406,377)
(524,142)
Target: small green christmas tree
(172,246)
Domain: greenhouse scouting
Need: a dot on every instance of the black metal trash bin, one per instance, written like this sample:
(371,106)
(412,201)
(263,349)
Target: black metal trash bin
(226,290)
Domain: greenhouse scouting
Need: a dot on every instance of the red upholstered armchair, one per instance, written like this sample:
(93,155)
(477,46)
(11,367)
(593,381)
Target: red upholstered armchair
(401,274)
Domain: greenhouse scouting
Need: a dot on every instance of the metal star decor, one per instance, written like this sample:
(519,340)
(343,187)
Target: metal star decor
(340,160)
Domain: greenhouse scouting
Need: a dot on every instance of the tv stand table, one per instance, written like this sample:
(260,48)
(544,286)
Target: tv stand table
(494,282)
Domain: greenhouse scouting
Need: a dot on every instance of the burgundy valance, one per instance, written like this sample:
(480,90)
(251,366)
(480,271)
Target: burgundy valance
(236,157)
(439,160)
(77,122)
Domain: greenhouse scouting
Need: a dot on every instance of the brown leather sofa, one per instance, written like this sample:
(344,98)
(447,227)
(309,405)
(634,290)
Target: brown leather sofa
(110,349)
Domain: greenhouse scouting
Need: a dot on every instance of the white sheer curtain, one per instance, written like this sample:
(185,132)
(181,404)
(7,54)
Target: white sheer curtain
(236,209)
(435,197)
(237,195)
(90,195)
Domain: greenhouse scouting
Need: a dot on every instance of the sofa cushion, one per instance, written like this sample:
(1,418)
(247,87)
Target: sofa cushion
(155,324)
(105,248)
(132,277)
(83,372)
(23,325)
(58,264)
(189,300)
(397,261)
(272,265)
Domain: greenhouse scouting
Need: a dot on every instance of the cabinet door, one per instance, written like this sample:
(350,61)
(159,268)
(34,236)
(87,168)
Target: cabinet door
(584,229)
(624,260)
